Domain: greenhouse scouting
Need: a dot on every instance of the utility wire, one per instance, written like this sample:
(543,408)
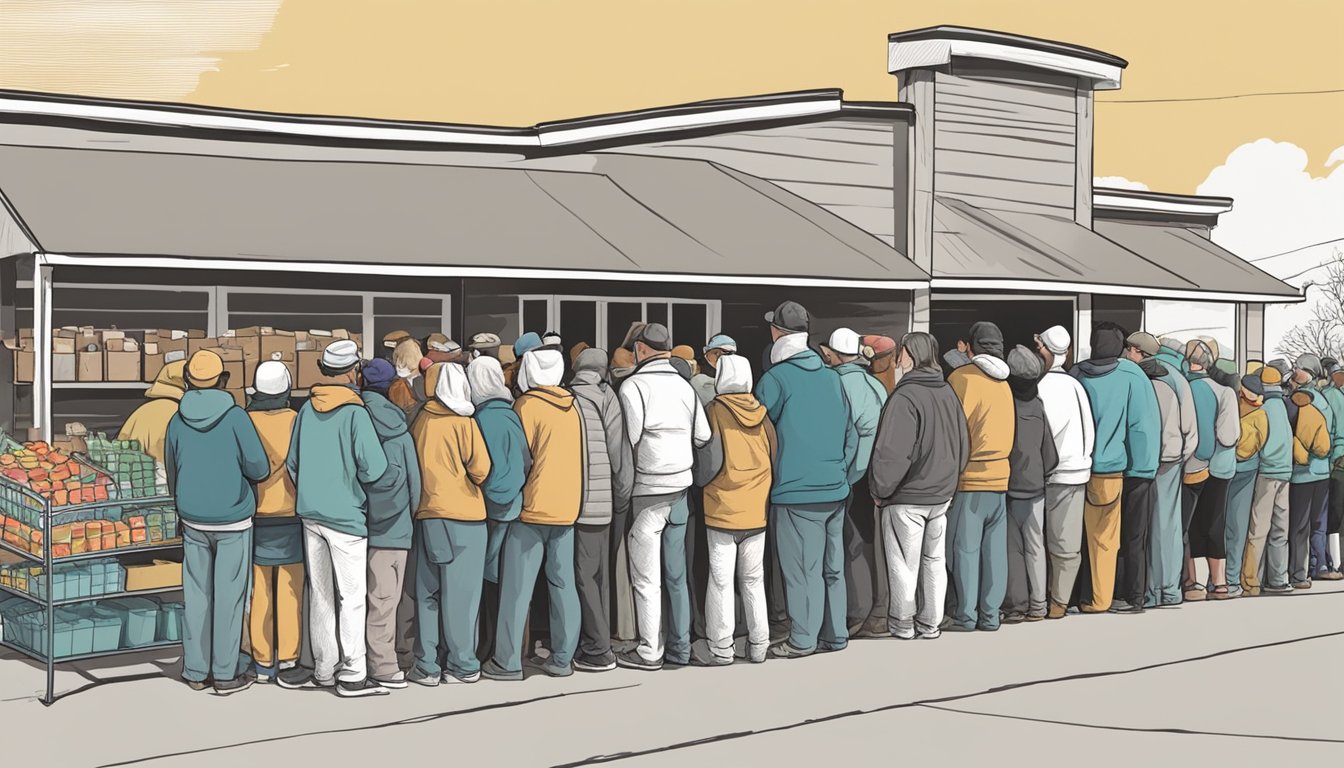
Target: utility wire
(1221,98)
(1299,248)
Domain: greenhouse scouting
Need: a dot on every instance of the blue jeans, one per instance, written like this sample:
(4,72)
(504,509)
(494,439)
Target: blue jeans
(977,558)
(1239,495)
(657,538)
(448,566)
(810,539)
(1166,551)
(526,547)
(216,570)
(1320,535)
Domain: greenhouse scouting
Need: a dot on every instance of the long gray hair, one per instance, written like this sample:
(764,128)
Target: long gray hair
(922,348)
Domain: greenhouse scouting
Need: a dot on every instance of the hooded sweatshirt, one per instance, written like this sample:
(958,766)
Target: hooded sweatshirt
(213,455)
(1276,458)
(334,453)
(275,427)
(1175,378)
(817,440)
(1126,414)
(922,443)
(982,388)
(734,467)
(1069,412)
(454,459)
(393,497)
(1033,457)
(553,428)
(611,471)
(148,424)
(1254,435)
(1311,437)
(1219,429)
(1335,399)
(504,440)
(664,423)
(1172,442)
(866,397)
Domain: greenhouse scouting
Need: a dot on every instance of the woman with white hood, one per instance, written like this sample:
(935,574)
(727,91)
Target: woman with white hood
(450,530)
(544,531)
(734,468)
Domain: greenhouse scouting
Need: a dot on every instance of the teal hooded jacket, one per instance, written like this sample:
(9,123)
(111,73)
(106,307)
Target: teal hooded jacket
(817,439)
(213,455)
(509,459)
(334,453)
(1126,415)
(866,397)
(1335,398)
(1276,458)
(392,498)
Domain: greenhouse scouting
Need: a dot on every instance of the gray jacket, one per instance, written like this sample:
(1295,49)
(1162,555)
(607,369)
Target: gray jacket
(922,443)
(1033,457)
(1173,439)
(610,467)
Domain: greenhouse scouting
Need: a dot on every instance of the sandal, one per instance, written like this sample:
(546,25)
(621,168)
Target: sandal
(1220,593)
(1193,593)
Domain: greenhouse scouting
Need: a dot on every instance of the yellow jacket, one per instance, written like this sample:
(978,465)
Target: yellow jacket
(1312,436)
(149,423)
(744,444)
(991,419)
(453,463)
(275,494)
(553,427)
(1254,430)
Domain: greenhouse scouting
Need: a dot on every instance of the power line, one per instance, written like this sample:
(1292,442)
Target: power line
(1221,98)
(1300,248)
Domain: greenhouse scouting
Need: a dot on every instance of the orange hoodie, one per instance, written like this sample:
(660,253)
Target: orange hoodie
(738,496)
(275,494)
(553,427)
(453,459)
(991,419)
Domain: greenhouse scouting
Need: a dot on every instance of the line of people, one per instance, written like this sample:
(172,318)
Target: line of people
(398,522)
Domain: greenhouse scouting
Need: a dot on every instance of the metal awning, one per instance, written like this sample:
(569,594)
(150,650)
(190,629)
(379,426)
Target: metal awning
(1200,260)
(624,218)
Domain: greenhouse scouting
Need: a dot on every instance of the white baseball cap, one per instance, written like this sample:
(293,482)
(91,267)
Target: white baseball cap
(272,378)
(845,341)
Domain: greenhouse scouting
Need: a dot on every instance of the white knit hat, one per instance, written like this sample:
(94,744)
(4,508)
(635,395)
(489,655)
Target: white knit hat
(272,378)
(845,341)
(341,355)
(1056,339)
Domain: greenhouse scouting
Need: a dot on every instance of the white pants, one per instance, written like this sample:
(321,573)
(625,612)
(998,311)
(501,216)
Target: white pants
(743,553)
(657,542)
(337,589)
(913,535)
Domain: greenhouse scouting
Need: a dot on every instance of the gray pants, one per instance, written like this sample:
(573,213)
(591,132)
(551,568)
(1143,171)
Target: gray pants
(623,592)
(387,576)
(216,569)
(592,576)
(1063,541)
(1266,560)
(1026,557)
(1166,540)
(978,559)
(913,537)
(448,570)
(810,541)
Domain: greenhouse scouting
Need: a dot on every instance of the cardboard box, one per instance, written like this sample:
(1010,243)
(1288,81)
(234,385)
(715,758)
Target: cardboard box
(251,348)
(239,397)
(160,575)
(194,333)
(89,366)
(152,365)
(24,360)
(309,373)
(64,367)
(63,345)
(196,345)
(122,366)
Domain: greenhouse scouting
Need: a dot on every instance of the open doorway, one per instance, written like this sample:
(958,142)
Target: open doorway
(1019,317)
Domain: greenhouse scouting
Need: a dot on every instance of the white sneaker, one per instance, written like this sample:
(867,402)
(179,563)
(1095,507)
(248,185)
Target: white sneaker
(365,687)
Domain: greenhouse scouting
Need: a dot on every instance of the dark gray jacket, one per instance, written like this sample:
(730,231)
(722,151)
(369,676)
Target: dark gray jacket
(922,443)
(1033,457)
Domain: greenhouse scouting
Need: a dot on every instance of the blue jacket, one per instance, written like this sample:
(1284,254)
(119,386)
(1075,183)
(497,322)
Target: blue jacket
(509,459)
(1276,458)
(212,455)
(866,397)
(334,453)
(1335,398)
(393,497)
(1126,414)
(817,441)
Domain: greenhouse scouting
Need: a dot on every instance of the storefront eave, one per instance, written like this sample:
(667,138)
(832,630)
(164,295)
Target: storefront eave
(1043,286)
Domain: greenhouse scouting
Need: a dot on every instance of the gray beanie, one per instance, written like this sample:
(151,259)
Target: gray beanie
(1025,364)
(986,339)
(1311,364)
(591,360)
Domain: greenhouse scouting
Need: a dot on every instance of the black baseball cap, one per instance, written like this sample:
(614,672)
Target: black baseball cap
(789,316)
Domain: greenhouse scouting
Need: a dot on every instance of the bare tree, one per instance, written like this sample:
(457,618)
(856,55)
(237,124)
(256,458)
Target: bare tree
(1321,335)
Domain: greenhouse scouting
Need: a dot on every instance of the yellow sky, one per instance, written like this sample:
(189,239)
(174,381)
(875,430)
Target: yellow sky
(524,61)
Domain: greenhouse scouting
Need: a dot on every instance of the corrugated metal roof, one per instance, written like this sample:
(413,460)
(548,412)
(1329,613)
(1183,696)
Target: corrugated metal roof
(1200,260)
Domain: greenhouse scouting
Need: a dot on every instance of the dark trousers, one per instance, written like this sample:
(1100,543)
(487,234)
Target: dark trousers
(1320,536)
(1304,502)
(1336,504)
(592,576)
(697,561)
(858,543)
(1137,502)
(488,621)
(1189,500)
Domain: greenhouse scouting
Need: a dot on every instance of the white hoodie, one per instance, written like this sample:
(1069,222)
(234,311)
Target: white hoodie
(665,423)
(1069,412)
(453,390)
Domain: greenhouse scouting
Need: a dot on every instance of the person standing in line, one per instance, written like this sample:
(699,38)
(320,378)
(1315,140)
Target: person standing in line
(1205,493)
(921,451)
(407,392)
(806,402)
(1322,567)
(544,531)
(1307,411)
(148,424)
(606,497)
(450,515)
(866,397)
(664,423)
(441,349)
(1166,564)
(1032,460)
(1069,413)
(334,454)
(1265,563)
(503,487)
(703,381)
(883,363)
(977,518)
(1241,491)
(391,501)
(485,345)
(212,456)
(1334,396)
(525,343)
(734,468)
(276,629)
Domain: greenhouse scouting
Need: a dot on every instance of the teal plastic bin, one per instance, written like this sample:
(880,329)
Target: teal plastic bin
(73,636)
(139,620)
(106,627)
(170,622)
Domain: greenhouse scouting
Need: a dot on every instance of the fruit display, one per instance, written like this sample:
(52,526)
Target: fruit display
(131,468)
(54,475)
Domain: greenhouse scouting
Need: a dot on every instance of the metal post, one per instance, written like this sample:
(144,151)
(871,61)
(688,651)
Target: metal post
(42,346)
(51,603)
(1082,328)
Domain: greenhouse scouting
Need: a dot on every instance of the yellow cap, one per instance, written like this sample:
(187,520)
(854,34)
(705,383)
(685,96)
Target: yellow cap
(204,369)
(683,351)
(1253,367)
(394,338)
(1271,376)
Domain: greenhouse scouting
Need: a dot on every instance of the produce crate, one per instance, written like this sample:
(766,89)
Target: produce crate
(139,620)
(133,470)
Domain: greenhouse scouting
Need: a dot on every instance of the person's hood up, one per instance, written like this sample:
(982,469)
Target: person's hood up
(733,376)
(554,396)
(486,378)
(921,377)
(789,346)
(171,383)
(328,397)
(993,367)
(202,409)
(541,368)
(1098,367)
(593,364)
(1107,343)
(1152,368)
(388,420)
(986,339)
(453,390)
(745,408)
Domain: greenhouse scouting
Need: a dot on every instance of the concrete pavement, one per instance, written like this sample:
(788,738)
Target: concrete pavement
(1244,679)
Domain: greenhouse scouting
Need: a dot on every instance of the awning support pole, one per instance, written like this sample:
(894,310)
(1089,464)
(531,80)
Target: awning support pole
(920,310)
(1082,328)
(42,282)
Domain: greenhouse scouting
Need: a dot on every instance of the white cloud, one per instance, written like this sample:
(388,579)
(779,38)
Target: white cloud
(1118,182)
(1285,220)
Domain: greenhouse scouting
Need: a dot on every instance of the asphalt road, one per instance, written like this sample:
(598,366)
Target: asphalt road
(1249,680)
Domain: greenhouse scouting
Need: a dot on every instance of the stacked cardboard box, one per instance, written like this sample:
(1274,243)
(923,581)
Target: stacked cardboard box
(165,346)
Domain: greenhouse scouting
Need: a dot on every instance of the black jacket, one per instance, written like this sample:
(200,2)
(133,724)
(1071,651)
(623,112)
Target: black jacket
(922,443)
(1033,457)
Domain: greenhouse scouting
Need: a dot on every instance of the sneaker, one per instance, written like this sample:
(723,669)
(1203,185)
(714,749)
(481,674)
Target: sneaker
(874,627)
(299,678)
(1334,576)
(632,660)
(239,683)
(392,683)
(1057,611)
(785,651)
(672,661)
(1032,618)
(1124,606)
(491,670)
(365,687)
(450,678)
(710,660)
(265,675)
(756,654)
(198,685)
(604,663)
(832,647)
(1302,585)
(555,670)
(421,678)
(950,626)
(1283,590)
(934,635)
